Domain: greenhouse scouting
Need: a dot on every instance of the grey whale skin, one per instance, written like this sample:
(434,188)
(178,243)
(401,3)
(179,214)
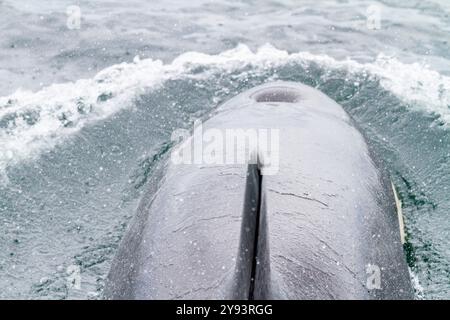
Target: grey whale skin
(310,231)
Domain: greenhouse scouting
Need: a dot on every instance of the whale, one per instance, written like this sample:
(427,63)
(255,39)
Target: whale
(278,196)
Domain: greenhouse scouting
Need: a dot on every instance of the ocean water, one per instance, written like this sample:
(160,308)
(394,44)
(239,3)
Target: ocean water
(86,113)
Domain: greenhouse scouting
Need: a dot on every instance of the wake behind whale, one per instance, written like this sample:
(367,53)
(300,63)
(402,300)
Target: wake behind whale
(312,216)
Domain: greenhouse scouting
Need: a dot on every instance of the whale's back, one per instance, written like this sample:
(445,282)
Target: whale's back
(313,218)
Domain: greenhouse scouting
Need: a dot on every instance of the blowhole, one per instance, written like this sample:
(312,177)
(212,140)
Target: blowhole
(277,95)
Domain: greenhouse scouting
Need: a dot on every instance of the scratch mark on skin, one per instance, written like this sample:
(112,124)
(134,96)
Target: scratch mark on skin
(291,213)
(223,174)
(340,261)
(303,265)
(208,288)
(331,195)
(200,220)
(313,268)
(324,290)
(298,196)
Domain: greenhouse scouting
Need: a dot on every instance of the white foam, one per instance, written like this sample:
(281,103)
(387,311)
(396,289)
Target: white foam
(58,105)
(418,289)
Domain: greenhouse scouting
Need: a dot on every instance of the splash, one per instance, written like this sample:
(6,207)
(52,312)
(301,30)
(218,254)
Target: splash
(35,122)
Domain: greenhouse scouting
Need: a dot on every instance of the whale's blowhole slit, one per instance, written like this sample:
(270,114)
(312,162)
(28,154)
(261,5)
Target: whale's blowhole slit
(285,95)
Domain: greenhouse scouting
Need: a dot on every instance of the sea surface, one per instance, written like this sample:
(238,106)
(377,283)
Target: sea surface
(87,107)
